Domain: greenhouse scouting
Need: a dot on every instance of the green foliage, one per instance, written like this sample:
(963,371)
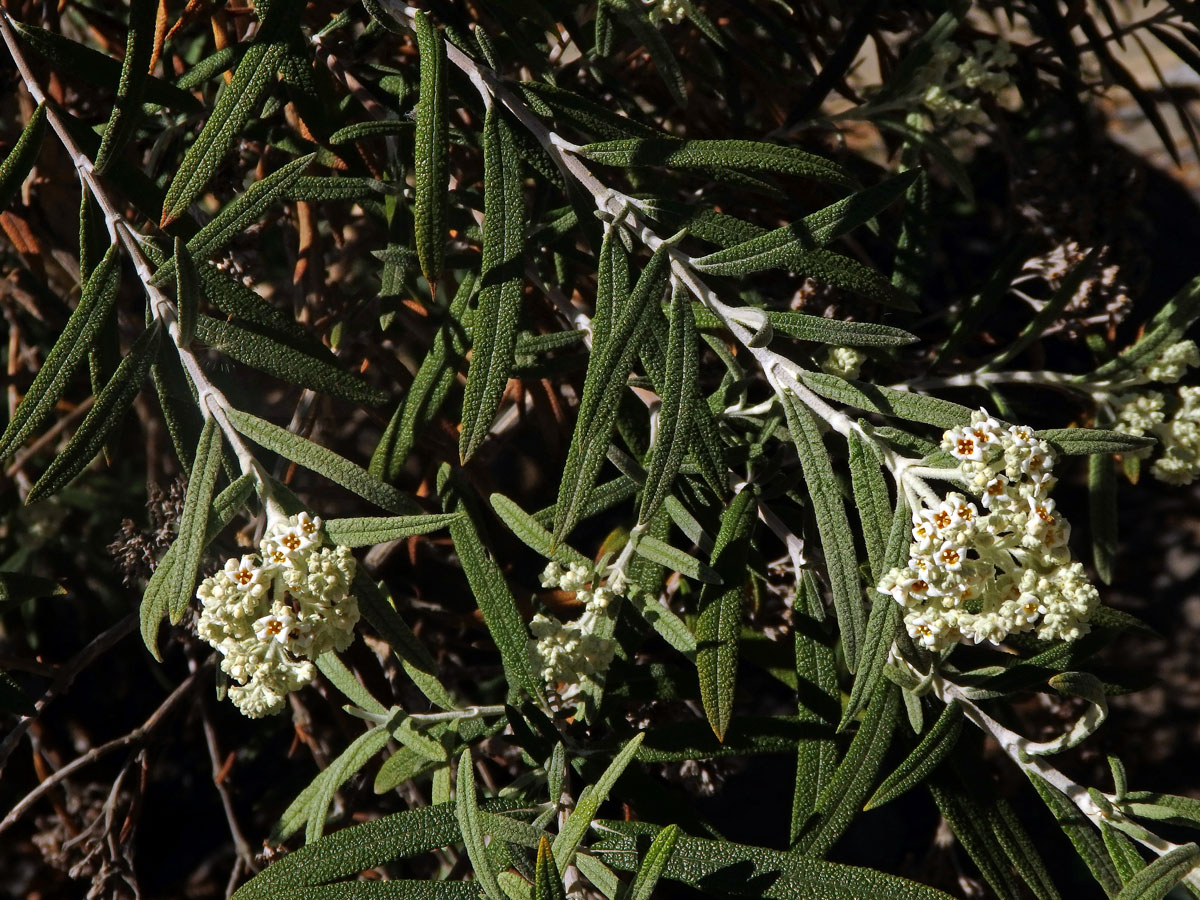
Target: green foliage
(637,296)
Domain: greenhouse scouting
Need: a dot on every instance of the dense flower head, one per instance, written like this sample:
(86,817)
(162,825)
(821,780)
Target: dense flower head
(844,361)
(1180,436)
(1173,362)
(569,653)
(982,571)
(271,614)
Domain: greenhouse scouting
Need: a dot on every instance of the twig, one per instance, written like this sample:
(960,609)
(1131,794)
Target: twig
(241,845)
(65,676)
(134,737)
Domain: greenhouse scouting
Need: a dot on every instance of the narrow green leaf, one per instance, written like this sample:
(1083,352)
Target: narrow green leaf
(634,17)
(431,144)
(491,592)
(343,679)
(751,156)
(323,461)
(724,868)
(1090,441)
(1102,514)
(193,524)
(102,419)
(654,863)
(466,809)
(844,793)
(1154,881)
(348,852)
(603,385)
(818,701)
(370,530)
(1171,808)
(572,832)
(20,159)
(392,889)
(719,617)
(377,608)
(353,758)
(96,68)
(158,592)
(969,821)
(246,209)
(494,328)
(934,747)
(871,499)
(135,72)
(293,366)
(908,405)
(80,333)
(236,104)
(1165,328)
(548,885)
(818,328)
(674,559)
(1082,834)
(188,292)
(362,130)
(675,412)
(429,389)
(832,524)
(532,534)
(1124,853)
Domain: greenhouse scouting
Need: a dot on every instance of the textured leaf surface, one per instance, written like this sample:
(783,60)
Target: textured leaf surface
(102,419)
(925,757)
(323,461)
(494,327)
(193,524)
(818,328)
(266,354)
(719,621)
(431,170)
(237,103)
(572,832)
(135,72)
(20,159)
(752,156)
(79,334)
(832,524)
(907,405)
(723,867)
(366,531)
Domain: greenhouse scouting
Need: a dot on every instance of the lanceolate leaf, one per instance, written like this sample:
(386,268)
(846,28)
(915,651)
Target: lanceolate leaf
(871,499)
(266,354)
(723,867)
(751,156)
(571,834)
(1154,881)
(467,811)
(491,592)
(348,852)
(494,327)
(79,335)
(1082,834)
(352,759)
(323,461)
(887,401)
(603,385)
(675,413)
(429,389)
(1080,441)
(719,622)
(1102,513)
(135,72)
(819,329)
(246,208)
(925,757)
(633,16)
(187,292)
(431,144)
(367,531)
(158,592)
(654,863)
(102,419)
(193,525)
(22,156)
(237,103)
(834,527)
(548,885)
(531,532)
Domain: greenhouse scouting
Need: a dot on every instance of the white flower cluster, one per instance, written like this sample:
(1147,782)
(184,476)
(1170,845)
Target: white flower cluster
(844,361)
(1180,460)
(568,653)
(981,575)
(271,615)
(1145,412)
(980,72)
